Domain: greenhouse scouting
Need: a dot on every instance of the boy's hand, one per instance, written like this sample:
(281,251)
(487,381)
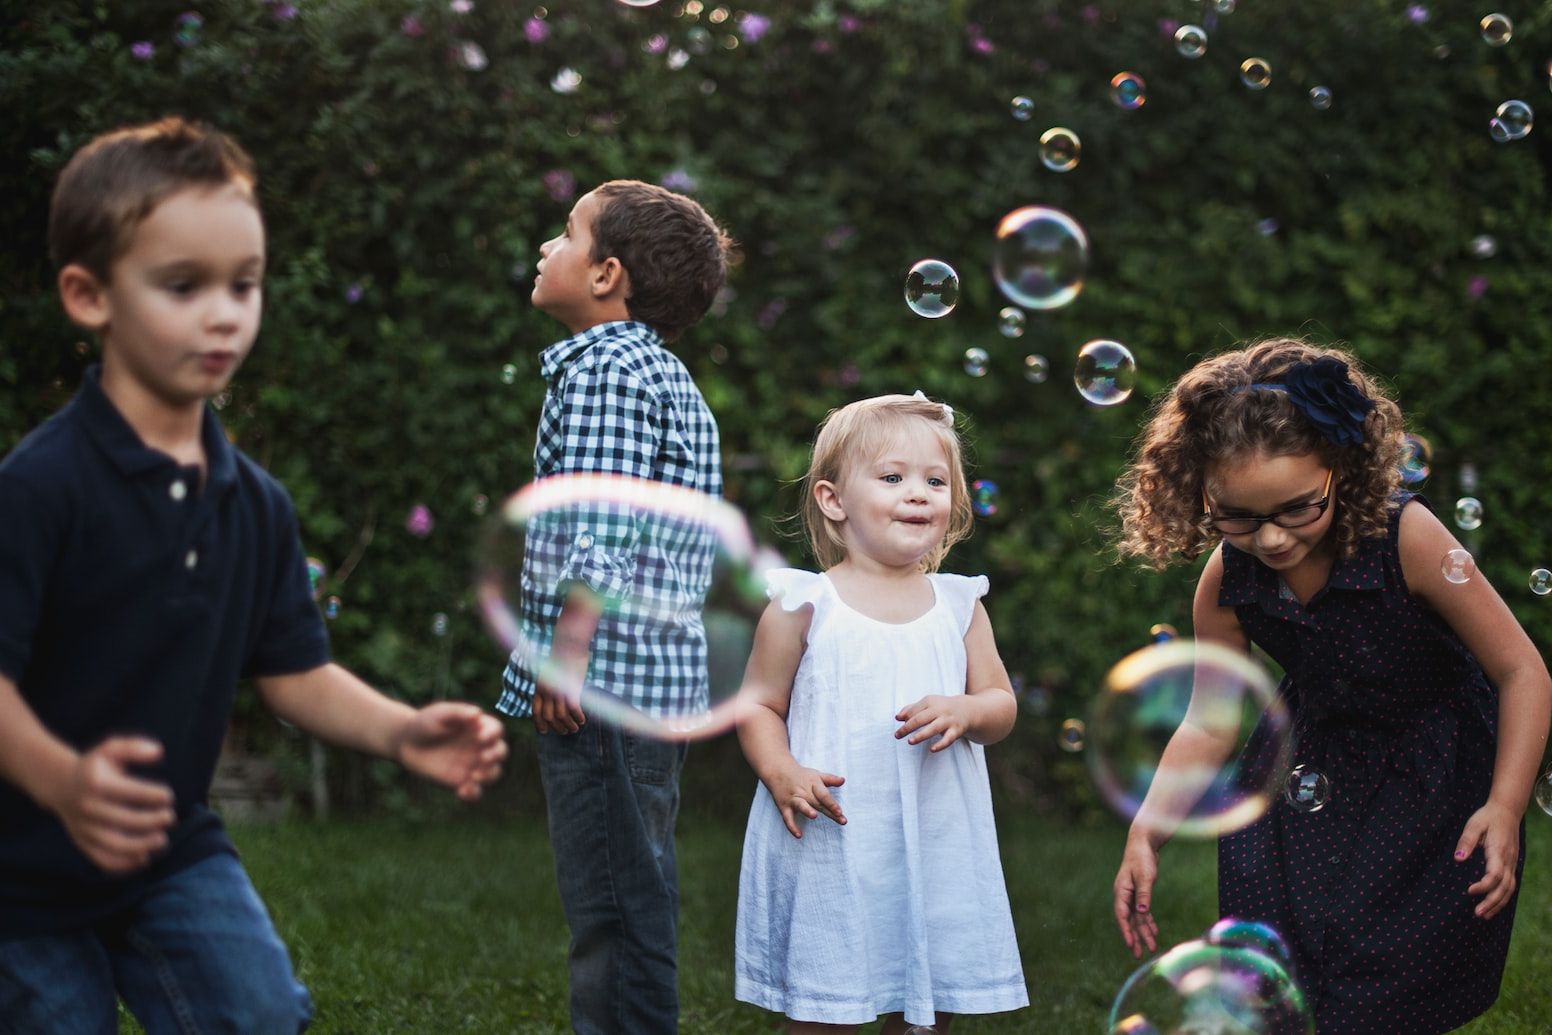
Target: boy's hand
(934,715)
(807,791)
(1497,829)
(117,820)
(454,744)
(1134,895)
(557,705)
(556,710)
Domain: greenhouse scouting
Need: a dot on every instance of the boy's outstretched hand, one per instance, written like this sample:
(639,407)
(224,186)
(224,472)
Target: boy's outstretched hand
(454,744)
(116,819)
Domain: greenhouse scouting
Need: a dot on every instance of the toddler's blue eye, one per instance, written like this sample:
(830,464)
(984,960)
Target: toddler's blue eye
(892,479)
(936,483)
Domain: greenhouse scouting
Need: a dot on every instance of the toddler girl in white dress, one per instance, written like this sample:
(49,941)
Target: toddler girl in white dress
(870,881)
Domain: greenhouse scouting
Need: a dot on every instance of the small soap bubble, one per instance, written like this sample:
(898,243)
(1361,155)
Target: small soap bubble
(1484,246)
(509,374)
(1468,513)
(1163,632)
(1224,6)
(1320,97)
(1497,29)
(1072,735)
(1513,121)
(439,624)
(1307,789)
(480,504)
(1458,566)
(1266,227)
(1255,73)
(1010,321)
(1128,91)
(1544,792)
(983,497)
(1059,149)
(1036,369)
(1106,372)
(188,29)
(1191,41)
(932,288)
(331,608)
(1416,456)
(566,81)
(1468,477)
(317,571)
(1541,582)
(977,362)
(1036,700)
(1022,108)
(1040,257)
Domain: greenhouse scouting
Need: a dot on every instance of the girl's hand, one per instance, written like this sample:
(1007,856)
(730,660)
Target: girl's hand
(1497,830)
(947,718)
(1134,894)
(807,791)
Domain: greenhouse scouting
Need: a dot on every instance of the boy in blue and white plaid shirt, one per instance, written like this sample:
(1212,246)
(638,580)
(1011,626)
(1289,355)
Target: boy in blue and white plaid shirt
(635,267)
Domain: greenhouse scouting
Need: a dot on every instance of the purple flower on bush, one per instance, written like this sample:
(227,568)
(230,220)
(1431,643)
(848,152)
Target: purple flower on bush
(769,313)
(284,12)
(1417,14)
(982,45)
(822,46)
(561,184)
(753,26)
(411,26)
(354,292)
(419,521)
(143,50)
(1090,14)
(1476,287)
(655,44)
(1167,27)
(848,23)
(461,6)
(679,180)
(1322,392)
(536,30)
(839,236)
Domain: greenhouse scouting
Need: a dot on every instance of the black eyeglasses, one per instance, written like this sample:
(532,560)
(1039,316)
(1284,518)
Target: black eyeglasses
(1291,517)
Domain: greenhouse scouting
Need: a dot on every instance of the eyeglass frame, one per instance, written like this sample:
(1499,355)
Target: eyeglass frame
(1319,506)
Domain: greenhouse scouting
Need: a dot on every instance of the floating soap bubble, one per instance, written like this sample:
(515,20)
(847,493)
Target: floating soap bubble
(1541,582)
(479,504)
(1010,321)
(983,497)
(188,29)
(1036,369)
(977,362)
(1225,695)
(1458,566)
(1163,632)
(331,608)
(661,567)
(1201,989)
(932,288)
(1036,700)
(439,625)
(1512,121)
(1251,934)
(1484,246)
(1468,513)
(1128,90)
(1266,227)
(1307,789)
(1255,73)
(509,374)
(1544,792)
(1320,97)
(1040,257)
(1059,149)
(566,81)
(1106,372)
(1191,41)
(1224,6)
(1072,735)
(1022,108)
(1416,456)
(317,572)
(1497,29)
(639,3)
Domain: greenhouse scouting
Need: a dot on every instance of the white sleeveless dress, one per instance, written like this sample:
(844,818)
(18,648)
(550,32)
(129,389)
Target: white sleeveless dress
(904,908)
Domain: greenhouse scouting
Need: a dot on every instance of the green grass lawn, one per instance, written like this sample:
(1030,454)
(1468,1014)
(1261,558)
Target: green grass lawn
(454,925)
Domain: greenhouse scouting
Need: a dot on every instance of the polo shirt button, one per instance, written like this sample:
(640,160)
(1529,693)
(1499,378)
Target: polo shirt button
(585,541)
(190,559)
(177,490)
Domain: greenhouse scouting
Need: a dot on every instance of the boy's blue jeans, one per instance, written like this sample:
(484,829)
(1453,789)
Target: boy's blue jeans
(198,954)
(613,798)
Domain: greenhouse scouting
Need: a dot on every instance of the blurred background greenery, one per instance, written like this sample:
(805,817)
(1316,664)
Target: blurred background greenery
(414,154)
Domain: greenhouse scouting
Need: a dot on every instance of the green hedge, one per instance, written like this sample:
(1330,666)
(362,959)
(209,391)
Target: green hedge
(840,144)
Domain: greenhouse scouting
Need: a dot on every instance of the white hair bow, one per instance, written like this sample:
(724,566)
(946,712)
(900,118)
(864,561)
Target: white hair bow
(948,411)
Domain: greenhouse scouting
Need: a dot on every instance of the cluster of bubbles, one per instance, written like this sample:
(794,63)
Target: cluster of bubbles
(1106,372)
(1237,978)
(1146,697)
(1307,789)
(1468,513)
(932,288)
(983,497)
(1458,566)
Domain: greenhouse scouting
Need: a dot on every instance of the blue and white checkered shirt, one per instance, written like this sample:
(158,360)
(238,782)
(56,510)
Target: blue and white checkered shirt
(619,403)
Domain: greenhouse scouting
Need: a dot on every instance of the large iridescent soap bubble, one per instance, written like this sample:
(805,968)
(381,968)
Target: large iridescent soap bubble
(660,567)
(1222,694)
(1251,934)
(1105,372)
(1040,257)
(1198,988)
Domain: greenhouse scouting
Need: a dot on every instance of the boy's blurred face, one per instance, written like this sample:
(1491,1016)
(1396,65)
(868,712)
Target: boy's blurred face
(563,285)
(183,302)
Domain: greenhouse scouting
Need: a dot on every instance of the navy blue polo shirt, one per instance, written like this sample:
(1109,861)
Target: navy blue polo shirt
(132,599)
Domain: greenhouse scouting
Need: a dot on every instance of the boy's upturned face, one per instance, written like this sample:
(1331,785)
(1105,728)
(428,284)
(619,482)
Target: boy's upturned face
(184,301)
(563,287)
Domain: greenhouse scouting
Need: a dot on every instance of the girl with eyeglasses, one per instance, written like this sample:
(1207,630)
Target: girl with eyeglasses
(1419,698)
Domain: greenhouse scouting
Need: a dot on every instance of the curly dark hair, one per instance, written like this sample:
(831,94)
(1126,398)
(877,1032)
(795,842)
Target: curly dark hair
(1209,417)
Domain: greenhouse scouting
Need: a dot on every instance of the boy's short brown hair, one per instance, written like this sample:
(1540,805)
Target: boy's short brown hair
(675,253)
(113,183)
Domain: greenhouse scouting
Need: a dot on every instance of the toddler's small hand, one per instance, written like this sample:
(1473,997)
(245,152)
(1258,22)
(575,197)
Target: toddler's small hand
(806,791)
(935,716)
(1497,830)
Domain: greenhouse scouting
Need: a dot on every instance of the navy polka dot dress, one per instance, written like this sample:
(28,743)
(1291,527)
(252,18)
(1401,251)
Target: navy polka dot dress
(1393,709)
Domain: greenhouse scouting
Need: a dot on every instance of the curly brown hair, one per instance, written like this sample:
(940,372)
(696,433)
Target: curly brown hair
(1210,417)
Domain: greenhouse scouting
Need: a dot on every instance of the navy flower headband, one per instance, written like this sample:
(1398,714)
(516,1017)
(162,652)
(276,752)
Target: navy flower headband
(1320,390)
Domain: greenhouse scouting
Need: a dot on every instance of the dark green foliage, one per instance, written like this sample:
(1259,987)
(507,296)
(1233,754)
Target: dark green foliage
(844,144)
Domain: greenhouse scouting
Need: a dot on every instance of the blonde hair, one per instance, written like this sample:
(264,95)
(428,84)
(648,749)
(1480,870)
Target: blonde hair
(1210,416)
(861,431)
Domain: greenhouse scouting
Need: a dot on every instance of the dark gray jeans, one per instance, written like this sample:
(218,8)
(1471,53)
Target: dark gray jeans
(613,798)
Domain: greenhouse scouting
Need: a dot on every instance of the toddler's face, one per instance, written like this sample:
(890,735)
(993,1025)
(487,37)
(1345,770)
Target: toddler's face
(897,505)
(1257,485)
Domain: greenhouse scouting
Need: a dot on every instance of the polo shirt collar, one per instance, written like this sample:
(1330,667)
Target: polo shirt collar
(124,448)
(555,358)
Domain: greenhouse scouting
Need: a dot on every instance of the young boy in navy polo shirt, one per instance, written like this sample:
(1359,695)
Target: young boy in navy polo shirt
(635,267)
(145,566)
